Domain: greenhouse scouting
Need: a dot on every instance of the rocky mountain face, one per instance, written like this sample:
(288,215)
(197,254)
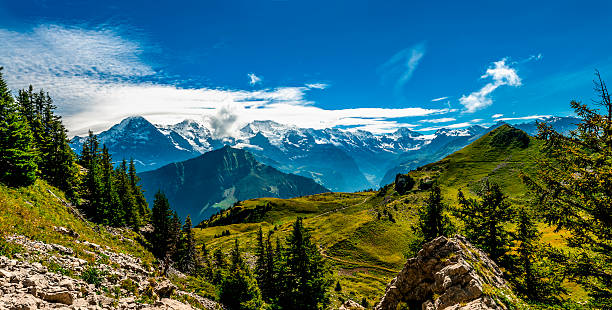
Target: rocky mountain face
(202,186)
(27,284)
(337,159)
(448,273)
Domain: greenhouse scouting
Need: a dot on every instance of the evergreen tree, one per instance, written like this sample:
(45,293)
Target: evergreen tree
(239,290)
(126,196)
(18,158)
(187,250)
(485,220)
(264,265)
(110,210)
(206,267)
(533,273)
(432,221)
(141,203)
(221,266)
(174,236)
(160,220)
(573,185)
(306,286)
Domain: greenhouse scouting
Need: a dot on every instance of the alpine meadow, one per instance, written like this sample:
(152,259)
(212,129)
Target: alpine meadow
(280,155)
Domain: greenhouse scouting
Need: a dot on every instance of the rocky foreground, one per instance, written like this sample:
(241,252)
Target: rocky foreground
(25,283)
(451,274)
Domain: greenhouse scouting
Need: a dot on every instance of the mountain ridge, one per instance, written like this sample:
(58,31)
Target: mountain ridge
(215,180)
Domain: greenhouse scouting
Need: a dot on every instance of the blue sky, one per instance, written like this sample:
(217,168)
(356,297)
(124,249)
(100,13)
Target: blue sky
(374,65)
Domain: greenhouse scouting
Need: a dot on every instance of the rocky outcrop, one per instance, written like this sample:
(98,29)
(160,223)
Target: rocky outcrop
(125,283)
(351,305)
(448,273)
(403,183)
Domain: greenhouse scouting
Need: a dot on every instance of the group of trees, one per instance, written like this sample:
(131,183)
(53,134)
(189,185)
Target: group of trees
(572,191)
(33,141)
(111,195)
(286,275)
(171,243)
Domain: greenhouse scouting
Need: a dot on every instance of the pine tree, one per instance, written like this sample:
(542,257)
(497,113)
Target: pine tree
(187,253)
(92,185)
(110,210)
(239,290)
(174,238)
(18,158)
(206,267)
(160,220)
(126,196)
(141,203)
(306,286)
(432,220)
(485,220)
(573,186)
(221,266)
(533,273)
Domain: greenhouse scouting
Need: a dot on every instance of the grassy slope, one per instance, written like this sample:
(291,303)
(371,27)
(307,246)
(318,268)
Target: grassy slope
(366,252)
(33,211)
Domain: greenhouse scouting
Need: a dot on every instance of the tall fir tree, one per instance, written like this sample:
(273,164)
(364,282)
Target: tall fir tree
(432,221)
(161,218)
(239,291)
(18,157)
(187,260)
(307,282)
(573,185)
(485,220)
(110,210)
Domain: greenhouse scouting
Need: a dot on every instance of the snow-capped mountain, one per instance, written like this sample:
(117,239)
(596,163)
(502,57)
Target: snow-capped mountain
(338,159)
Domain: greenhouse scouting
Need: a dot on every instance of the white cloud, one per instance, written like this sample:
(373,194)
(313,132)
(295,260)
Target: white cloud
(401,66)
(439,99)
(317,85)
(524,118)
(476,120)
(497,115)
(97,78)
(254,79)
(452,126)
(501,74)
(438,120)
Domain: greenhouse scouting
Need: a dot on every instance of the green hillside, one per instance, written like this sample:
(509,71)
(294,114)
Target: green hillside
(33,211)
(363,243)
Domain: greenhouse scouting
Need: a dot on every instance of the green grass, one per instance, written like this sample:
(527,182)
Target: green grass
(33,211)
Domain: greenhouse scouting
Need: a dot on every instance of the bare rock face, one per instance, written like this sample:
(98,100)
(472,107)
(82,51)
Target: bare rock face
(451,274)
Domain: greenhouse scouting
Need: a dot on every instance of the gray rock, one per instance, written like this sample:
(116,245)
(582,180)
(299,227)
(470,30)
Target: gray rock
(447,273)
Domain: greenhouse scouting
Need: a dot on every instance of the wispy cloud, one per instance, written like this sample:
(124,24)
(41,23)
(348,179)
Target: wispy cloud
(318,85)
(523,118)
(497,115)
(438,120)
(451,126)
(439,99)
(501,74)
(97,77)
(401,66)
(254,79)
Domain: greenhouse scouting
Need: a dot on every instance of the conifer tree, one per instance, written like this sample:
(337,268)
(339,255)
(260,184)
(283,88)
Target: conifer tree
(206,267)
(18,159)
(573,185)
(485,220)
(110,210)
(533,273)
(221,266)
(160,220)
(126,196)
(432,220)
(141,203)
(306,286)
(239,290)
(187,250)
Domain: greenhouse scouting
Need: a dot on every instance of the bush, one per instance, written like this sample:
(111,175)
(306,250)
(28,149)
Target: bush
(92,276)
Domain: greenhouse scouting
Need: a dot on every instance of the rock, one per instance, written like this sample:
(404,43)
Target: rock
(165,289)
(5,274)
(64,297)
(66,231)
(448,273)
(403,183)
(350,305)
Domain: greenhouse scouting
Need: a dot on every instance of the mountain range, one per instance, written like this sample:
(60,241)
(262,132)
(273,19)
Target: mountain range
(340,160)
(214,181)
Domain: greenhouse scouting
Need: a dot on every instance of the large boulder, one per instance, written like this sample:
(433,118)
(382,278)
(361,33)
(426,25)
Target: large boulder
(448,273)
(403,183)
